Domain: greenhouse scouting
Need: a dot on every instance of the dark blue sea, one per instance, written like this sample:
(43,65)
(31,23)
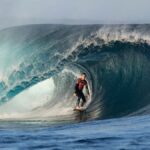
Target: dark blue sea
(113,134)
(39,66)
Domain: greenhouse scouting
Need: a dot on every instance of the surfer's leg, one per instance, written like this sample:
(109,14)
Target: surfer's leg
(83,100)
(78,102)
(79,97)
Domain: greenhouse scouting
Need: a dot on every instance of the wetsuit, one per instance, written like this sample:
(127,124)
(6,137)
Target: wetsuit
(79,91)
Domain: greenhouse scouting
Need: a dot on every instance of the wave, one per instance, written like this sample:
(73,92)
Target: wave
(115,58)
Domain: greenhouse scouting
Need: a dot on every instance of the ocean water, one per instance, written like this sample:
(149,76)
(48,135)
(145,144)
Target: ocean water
(39,65)
(112,134)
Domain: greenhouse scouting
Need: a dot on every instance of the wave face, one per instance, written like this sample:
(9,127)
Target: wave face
(40,63)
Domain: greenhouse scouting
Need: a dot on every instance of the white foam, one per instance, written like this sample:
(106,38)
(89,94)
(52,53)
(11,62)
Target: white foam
(29,99)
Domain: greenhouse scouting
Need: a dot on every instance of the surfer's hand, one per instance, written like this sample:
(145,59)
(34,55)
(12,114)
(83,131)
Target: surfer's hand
(74,94)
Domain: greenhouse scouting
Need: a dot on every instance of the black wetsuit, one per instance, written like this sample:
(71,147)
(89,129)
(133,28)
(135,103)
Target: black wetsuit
(79,91)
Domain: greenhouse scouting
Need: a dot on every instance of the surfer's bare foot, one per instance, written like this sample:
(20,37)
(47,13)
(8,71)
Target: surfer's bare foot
(77,107)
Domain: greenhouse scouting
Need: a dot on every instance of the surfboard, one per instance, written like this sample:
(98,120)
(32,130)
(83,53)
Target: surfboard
(79,109)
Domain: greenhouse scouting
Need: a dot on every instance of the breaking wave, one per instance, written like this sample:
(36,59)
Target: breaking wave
(40,63)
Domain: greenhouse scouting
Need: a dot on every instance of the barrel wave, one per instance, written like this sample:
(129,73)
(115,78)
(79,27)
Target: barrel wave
(40,63)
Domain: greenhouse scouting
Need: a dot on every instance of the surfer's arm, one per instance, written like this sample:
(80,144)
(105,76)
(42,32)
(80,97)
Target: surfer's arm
(87,89)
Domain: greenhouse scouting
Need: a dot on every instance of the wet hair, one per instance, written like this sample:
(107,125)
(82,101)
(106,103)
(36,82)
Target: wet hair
(83,73)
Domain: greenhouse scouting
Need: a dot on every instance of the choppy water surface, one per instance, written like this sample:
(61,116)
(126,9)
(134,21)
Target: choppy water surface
(117,134)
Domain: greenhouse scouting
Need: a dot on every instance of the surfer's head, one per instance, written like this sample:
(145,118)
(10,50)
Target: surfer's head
(83,76)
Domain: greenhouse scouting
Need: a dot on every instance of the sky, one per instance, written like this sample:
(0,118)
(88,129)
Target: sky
(20,12)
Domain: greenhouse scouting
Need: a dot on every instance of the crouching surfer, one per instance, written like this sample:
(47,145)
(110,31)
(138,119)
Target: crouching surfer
(80,84)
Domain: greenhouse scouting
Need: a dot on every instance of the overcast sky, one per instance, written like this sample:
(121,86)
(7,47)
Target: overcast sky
(18,12)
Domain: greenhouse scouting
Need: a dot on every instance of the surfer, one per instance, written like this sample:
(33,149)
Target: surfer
(80,84)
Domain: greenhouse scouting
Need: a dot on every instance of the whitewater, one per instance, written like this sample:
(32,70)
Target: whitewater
(39,65)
